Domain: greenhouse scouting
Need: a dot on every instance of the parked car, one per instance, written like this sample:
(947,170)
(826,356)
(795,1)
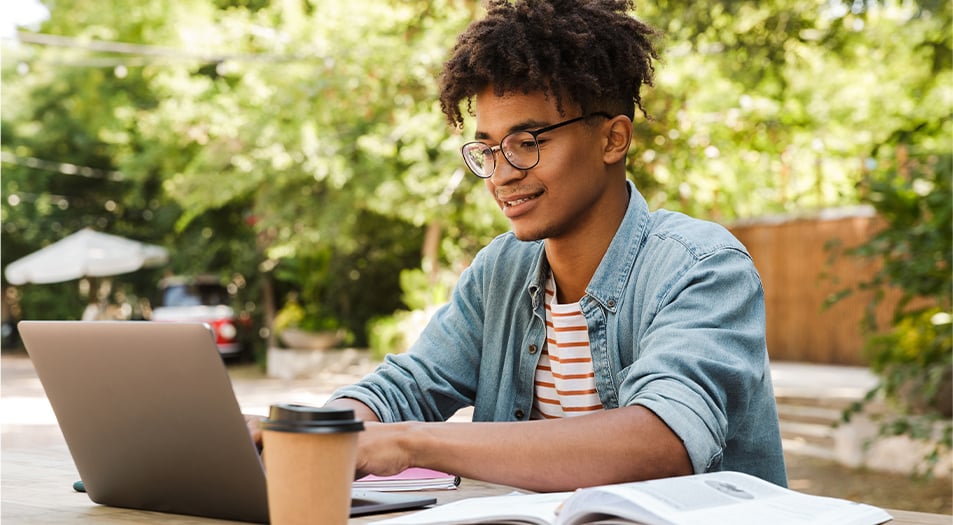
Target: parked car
(200,299)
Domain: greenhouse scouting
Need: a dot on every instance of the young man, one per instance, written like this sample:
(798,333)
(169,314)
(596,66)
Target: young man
(598,342)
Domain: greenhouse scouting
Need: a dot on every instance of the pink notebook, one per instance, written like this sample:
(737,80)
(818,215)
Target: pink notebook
(410,479)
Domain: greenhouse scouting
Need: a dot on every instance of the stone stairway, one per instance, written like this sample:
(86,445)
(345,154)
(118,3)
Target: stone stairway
(811,401)
(808,424)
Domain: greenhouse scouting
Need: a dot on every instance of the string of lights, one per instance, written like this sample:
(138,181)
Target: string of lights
(64,168)
(157,53)
(60,201)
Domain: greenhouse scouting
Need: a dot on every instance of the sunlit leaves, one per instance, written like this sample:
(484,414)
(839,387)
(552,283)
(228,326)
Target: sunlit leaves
(303,124)
(765,107)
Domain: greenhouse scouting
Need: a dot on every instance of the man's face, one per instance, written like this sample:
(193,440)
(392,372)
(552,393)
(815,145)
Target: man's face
(560,197)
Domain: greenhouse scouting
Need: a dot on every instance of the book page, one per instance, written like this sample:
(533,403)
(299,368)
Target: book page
(721,498)
(531,509)
(792,509)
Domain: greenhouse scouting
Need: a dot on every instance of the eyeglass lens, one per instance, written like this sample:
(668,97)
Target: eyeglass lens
(520,148)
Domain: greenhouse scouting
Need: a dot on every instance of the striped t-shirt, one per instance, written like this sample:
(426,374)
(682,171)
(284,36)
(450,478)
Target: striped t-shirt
(565,384)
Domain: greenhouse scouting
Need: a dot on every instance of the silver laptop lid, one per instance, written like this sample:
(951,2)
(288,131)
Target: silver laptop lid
(149,415)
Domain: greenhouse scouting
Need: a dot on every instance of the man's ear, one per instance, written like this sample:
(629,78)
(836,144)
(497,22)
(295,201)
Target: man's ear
(618,137)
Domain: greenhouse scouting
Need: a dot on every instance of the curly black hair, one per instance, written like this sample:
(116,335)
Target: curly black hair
(589,52)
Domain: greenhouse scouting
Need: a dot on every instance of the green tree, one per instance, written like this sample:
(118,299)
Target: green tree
(264,140)
(767,107)
(75,154)
(914,354)
(254,137)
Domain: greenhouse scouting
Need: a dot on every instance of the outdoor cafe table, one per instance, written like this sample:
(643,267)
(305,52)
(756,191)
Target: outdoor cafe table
(36,489)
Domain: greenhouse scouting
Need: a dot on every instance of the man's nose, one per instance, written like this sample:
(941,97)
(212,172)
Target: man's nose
(505,172)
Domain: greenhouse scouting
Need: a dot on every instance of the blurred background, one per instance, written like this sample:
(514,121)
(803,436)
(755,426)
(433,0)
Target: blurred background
(281,169)
(290,158)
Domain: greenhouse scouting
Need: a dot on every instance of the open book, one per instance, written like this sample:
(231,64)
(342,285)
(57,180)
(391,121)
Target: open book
(718,498)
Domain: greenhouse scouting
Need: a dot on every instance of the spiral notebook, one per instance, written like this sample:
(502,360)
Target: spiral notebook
(410,479)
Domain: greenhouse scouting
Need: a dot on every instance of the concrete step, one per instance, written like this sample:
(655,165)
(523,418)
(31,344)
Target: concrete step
(811,401)
(808,425)
(807,413)
(803,448)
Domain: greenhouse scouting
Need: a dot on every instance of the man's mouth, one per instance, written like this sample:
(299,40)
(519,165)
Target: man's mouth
(509,203)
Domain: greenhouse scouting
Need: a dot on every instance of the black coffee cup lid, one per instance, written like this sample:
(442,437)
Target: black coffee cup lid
(290,417)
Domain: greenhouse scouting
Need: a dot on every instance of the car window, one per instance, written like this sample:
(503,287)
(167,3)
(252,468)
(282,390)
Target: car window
(179,295)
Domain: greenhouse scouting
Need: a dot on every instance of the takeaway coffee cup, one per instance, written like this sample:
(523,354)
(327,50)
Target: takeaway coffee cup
(310,456)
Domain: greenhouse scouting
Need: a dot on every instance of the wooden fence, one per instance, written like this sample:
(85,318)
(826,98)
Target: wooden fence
(794,261)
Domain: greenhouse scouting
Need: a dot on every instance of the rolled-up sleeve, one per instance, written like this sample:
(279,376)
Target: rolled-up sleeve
(701,356)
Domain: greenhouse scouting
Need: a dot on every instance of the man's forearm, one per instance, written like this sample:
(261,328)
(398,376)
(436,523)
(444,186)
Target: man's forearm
(624,444)
(361,411)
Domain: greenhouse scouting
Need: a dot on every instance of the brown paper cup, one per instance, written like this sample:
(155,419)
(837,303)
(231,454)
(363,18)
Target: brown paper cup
(310,456)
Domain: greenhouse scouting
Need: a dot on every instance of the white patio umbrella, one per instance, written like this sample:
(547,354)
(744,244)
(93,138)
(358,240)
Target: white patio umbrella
(86,253)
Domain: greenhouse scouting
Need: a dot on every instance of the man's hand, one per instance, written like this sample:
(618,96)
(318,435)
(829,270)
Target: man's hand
(380,451)
(253,422)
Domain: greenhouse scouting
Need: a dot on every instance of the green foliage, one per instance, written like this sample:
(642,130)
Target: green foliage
(78,153)
(914,356)
(287,152)
(293,315)
(395,333)
(916,247)
(423,294)
(423,291)
(915,250)
(297,145)
(388,335)
(770,107)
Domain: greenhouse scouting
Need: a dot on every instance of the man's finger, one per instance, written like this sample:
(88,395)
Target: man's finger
(253,422)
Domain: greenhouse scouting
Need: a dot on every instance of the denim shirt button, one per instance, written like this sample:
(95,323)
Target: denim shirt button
(611,303)
(533,349)
(519,413)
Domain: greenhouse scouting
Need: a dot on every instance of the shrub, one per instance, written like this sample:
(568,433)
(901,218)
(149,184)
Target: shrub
(914,355)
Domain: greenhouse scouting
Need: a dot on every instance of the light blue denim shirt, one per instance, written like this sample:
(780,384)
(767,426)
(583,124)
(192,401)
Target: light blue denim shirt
(676,323)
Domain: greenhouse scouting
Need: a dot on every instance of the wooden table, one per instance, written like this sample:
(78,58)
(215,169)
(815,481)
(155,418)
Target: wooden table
(36,489)
(37,472)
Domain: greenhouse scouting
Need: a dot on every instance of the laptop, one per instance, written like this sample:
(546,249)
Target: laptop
(150,418)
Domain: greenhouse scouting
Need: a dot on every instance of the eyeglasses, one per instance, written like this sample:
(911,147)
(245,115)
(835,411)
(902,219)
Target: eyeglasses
(520,149)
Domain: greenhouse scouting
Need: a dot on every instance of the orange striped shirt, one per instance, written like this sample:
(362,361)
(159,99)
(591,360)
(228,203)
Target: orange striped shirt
(565,384)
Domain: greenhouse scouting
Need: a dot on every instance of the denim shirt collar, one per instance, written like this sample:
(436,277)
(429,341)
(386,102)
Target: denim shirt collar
(607,284)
